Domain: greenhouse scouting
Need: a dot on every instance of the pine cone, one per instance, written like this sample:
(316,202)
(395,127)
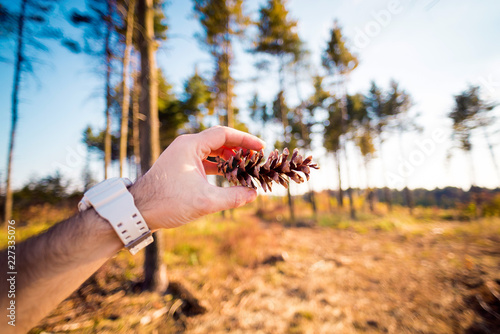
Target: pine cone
(245,166)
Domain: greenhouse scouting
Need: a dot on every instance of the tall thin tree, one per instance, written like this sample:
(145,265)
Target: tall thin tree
(340,62)
(222,20)
(155,277)
(471,112)
(28,27)
(398,104)
(98,39)
(375,100)
(125,84)
(15,104)
(277,36)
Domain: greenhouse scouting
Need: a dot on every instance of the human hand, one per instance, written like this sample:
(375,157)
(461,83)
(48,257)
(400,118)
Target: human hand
(175,190)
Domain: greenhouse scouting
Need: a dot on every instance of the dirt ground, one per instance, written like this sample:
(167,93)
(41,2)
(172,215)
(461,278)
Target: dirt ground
(433,277)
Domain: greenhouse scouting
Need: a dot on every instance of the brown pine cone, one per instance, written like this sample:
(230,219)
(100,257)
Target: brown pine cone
(245,166)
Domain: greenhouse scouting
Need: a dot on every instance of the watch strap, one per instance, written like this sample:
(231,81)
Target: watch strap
(113,202)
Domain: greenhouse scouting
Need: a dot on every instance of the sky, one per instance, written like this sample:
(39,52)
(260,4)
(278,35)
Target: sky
(433,48)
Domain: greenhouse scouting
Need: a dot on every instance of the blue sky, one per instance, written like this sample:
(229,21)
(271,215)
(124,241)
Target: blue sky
(433,48)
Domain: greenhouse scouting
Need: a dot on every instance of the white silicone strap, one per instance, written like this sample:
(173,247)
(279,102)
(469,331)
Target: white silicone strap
(113,202)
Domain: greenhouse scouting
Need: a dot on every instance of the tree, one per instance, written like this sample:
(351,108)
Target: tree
(172,112)
(332,134)
(339,62)
(351,128)
(221,21)
(154,270)
(363,133)
(29,27)
(397,105)
(172,116)
(160,34)
(197,102)
(125,86)
(99,32)
(470,113)
(259,113)
(277,36)
(375,103)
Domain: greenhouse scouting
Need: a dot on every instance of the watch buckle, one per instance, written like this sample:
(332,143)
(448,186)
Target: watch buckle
(139,243)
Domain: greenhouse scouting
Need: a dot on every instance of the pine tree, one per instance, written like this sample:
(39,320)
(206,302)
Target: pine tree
(124,125)
(197,102)
(331,137)
(397,105)
(307,119)
(154,269)
(277,37)
(363,134)
(471,112)
(28,27)
(375,101)
(339,62)
(99,25)
(222,20)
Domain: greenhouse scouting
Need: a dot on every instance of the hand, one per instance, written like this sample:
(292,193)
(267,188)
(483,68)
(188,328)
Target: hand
(175,190)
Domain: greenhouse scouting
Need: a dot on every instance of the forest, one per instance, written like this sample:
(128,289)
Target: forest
(372,242)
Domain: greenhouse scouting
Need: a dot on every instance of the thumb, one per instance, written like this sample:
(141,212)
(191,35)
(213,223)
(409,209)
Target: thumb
(230,197)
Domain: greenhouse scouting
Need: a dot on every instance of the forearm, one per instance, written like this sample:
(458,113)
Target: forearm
(173,192)
(54,264)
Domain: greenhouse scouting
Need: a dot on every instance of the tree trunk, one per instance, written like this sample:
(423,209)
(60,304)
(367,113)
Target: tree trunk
(409,199)
(125,87)
(407,193)
(352,210)
(370,195)
(219,182)
(387,191)
(284,120)
(155,278)
(343,147)
(229,91)
(107,51)
(135,126)
(290,204)
(340,194)
(471,169)
(18,69)
(312,198)
(492,153)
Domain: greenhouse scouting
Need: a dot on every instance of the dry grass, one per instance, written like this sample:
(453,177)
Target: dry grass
(384,273)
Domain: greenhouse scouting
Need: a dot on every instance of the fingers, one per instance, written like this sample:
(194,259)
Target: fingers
(210,167)
(230,197)
(224,152)
(214,138)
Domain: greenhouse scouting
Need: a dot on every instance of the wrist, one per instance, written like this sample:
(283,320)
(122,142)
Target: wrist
(142,197)
(100,231)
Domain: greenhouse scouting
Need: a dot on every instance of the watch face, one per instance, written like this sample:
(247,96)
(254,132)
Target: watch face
(112,201)
(108,181)
(85,203)
(112,180)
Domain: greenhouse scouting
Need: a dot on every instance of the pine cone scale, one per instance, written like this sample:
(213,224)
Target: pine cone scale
(245,166)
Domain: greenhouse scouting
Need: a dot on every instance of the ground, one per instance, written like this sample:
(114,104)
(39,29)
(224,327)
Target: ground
(383,273)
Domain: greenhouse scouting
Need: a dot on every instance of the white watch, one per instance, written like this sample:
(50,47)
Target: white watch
(113,202)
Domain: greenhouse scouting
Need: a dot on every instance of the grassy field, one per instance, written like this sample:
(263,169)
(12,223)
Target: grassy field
(383,273)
